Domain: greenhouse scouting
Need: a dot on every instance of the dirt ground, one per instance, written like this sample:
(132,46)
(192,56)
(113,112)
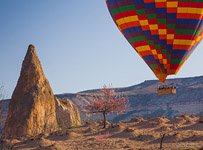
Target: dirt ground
(181,133)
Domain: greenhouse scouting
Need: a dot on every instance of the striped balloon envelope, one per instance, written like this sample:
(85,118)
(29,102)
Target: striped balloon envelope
(163,32)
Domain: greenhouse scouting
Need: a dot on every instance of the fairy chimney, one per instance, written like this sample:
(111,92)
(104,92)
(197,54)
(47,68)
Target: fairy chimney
(32,108)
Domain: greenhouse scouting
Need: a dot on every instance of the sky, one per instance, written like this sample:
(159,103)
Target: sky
(79,46)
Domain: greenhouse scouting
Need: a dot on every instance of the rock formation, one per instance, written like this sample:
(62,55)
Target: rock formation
(32,107)
(67,114)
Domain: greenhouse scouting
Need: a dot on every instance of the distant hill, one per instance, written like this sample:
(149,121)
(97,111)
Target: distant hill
(145,102)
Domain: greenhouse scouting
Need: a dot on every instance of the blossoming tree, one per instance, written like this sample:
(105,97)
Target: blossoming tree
(105,102)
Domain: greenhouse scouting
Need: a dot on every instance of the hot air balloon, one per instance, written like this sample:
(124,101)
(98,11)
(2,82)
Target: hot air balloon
(163,32)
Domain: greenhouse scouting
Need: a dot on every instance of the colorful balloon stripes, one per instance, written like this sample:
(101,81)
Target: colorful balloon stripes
(163,32)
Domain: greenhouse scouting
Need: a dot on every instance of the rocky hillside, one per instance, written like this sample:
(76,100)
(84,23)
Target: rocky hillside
(145,102)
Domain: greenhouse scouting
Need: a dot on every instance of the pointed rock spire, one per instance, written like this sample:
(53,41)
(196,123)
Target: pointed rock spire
(32,108)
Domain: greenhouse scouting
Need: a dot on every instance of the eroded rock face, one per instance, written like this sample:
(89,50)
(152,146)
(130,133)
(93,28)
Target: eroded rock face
(32,107)
(67,114)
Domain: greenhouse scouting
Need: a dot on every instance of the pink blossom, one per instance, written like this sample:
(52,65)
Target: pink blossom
(105,102)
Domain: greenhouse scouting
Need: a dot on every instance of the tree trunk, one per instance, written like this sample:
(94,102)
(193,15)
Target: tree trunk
(104,121)
(161,142)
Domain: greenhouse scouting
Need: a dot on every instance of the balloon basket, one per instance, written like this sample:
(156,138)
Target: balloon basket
(166,89)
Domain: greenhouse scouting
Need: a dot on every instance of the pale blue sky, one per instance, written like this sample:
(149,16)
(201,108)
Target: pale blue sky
(78,44)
